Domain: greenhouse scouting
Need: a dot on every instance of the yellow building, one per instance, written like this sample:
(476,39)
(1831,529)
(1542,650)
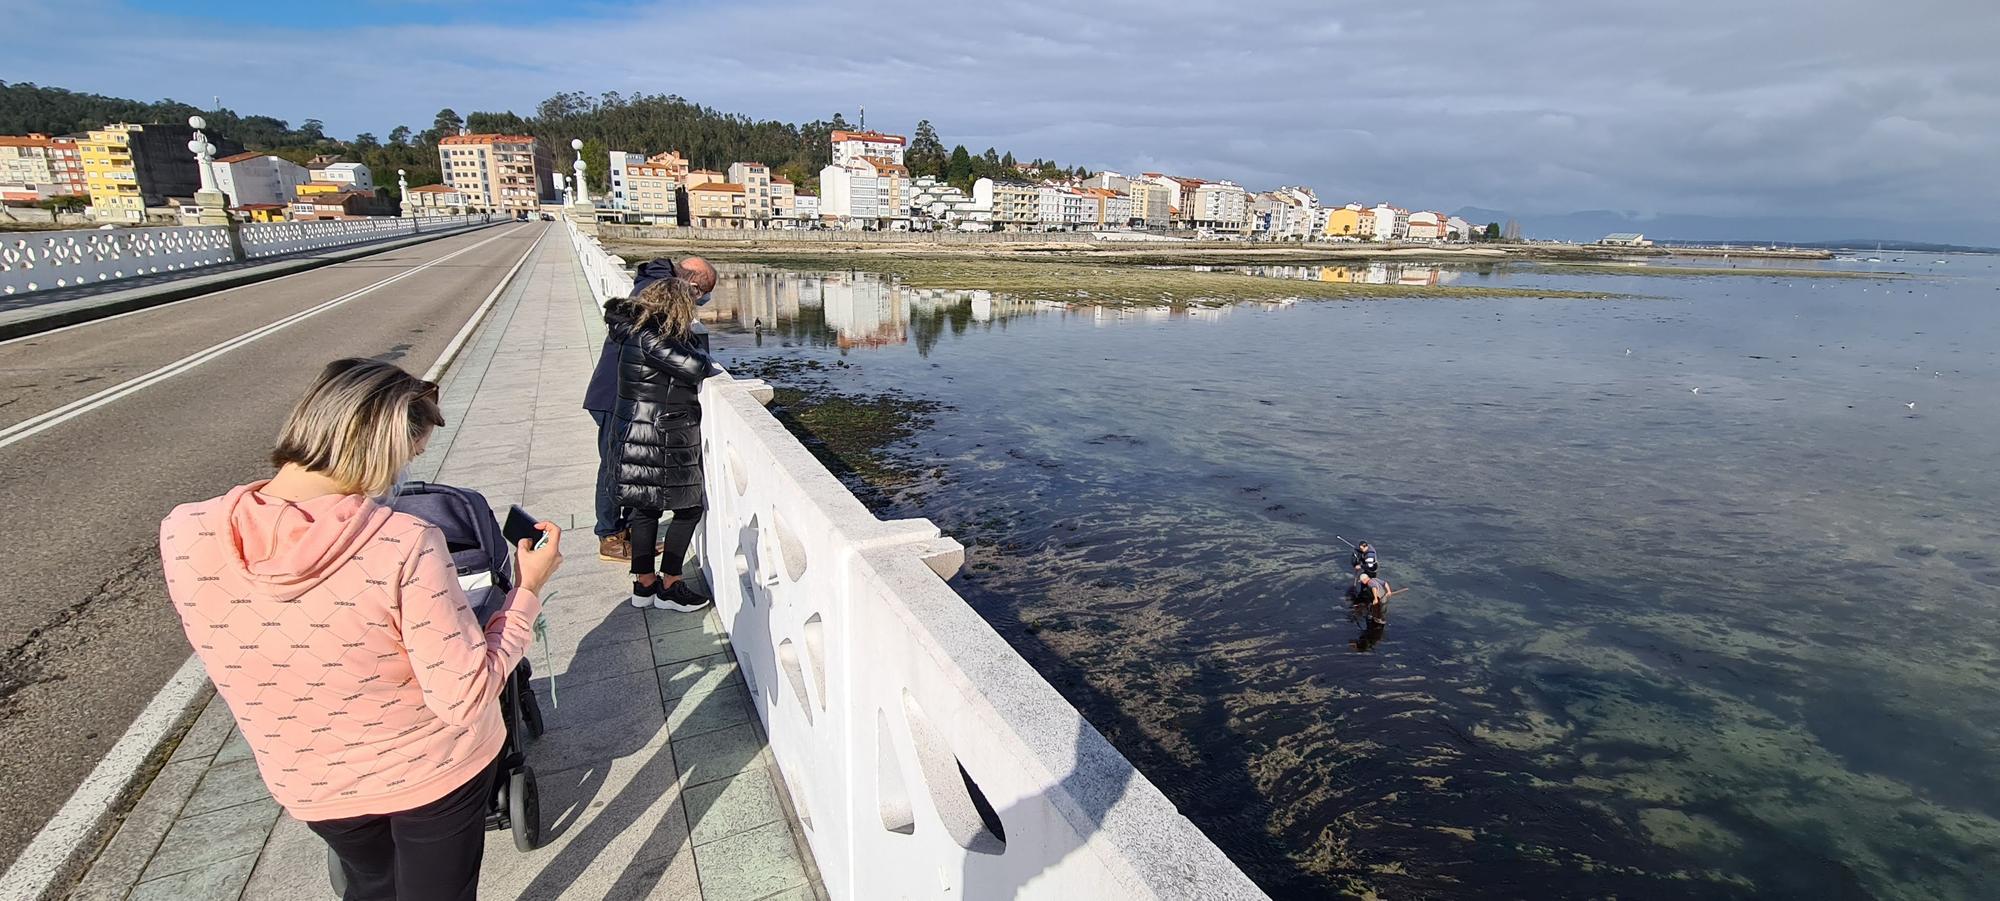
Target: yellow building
(110,176)
(716,205)
(1345,222)
(261,212)
(319,187)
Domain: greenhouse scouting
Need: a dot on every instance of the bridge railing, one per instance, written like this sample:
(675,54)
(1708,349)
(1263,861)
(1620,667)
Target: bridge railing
(924,756)
(267,239)
(41,261)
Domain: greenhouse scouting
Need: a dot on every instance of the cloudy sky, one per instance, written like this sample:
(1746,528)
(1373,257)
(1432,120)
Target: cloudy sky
(1832,109)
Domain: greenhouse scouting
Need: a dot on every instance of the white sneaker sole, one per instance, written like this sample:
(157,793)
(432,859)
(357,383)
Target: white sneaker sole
(664,604)
(639,600)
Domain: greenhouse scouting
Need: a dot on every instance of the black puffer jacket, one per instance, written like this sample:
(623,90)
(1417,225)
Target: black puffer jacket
(658,414)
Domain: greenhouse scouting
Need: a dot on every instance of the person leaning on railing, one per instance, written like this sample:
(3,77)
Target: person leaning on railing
(336,630)
(661,366)
(600,397)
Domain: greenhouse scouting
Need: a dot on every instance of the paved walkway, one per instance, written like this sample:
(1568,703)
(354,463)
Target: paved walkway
(654,776)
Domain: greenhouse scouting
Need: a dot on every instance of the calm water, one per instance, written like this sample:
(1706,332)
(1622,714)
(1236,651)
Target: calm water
(1657,643)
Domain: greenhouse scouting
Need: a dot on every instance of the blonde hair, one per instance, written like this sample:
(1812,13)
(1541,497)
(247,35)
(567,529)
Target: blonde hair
(668,305)
(359,425)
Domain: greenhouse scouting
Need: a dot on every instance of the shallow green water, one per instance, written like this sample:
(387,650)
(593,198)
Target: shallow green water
(1658,642)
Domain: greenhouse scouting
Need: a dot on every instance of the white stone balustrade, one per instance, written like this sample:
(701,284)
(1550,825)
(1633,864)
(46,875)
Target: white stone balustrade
(925,758)
(606,273)
(41,261)
(268,239)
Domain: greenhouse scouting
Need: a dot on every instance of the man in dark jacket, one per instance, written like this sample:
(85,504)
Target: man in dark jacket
(613,543)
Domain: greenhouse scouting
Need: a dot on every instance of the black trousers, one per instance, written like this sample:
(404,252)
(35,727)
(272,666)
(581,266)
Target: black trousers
(430,853)
(645,526)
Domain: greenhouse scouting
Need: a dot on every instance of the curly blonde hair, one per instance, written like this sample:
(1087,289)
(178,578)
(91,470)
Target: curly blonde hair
(667,305)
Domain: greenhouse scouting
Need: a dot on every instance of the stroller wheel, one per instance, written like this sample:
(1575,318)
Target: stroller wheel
(334,874)
(524,808)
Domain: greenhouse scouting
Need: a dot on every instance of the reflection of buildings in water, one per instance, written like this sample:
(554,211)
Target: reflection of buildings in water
(864,311)
(857,309)
(1418,275)
(757,299)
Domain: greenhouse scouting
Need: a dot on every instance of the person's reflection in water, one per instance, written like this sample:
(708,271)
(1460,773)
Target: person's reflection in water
(1366,641)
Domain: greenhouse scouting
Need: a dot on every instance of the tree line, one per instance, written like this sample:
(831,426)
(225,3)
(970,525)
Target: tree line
(641,123)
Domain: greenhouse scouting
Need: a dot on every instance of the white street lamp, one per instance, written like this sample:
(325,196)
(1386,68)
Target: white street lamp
(204,153)
(582,192)
(214,205)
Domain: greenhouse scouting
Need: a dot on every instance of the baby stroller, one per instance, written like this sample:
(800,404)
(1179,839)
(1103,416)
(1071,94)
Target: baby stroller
(485,563)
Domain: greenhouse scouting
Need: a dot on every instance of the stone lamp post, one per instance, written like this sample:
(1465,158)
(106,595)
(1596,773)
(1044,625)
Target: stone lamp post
(213,203)
(581,211)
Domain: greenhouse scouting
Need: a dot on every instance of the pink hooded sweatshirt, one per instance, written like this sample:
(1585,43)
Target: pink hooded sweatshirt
(336,630)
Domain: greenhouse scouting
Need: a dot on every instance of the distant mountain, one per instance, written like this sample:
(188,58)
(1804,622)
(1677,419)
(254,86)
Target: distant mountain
(1590,225)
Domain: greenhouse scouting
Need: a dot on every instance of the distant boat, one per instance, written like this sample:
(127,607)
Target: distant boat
(1874,259)
(1896,260)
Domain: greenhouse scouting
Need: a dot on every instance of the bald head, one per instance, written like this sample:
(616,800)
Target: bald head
(698,273)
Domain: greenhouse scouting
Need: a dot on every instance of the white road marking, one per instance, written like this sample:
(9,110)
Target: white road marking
(36,425)
(458,341)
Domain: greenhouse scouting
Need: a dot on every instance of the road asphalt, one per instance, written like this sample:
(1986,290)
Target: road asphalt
(84,619)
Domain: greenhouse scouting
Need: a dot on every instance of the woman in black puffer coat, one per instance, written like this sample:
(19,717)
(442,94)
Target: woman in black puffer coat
(661,364)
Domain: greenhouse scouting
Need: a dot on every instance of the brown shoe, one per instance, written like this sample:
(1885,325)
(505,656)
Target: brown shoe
(614,549)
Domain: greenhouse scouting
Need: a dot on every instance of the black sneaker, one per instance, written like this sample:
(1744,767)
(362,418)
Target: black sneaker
(681,598)
(645,595)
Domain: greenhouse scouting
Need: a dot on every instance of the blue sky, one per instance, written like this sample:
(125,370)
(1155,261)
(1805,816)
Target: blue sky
(1802,109)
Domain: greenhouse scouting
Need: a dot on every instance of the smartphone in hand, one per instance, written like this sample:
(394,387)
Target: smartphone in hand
(520,526)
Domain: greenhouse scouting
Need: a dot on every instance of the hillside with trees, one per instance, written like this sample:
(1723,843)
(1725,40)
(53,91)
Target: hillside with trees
(644,123)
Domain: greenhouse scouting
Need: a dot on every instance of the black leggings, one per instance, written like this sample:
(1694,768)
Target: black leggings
(645,525)
(428,853)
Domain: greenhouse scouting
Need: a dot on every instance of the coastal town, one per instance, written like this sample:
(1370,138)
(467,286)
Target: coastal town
(127,174)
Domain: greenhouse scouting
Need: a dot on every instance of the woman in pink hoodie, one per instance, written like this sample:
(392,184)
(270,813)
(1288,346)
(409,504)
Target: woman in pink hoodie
(336,630)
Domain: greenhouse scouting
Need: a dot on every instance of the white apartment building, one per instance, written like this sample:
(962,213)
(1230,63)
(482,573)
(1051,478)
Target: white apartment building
(616,177)
(849,146)
(943,204)
(1391,223)
(349,176)
(259,178)
(850,194)
(1015,205)
(1049,207)
(1426,226)
(805,207)
(1221,205)
(1457,229)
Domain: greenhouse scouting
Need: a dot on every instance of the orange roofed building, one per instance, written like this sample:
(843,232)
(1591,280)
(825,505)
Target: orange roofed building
(499,173)
(849,146)
(41,165)
(717,205)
